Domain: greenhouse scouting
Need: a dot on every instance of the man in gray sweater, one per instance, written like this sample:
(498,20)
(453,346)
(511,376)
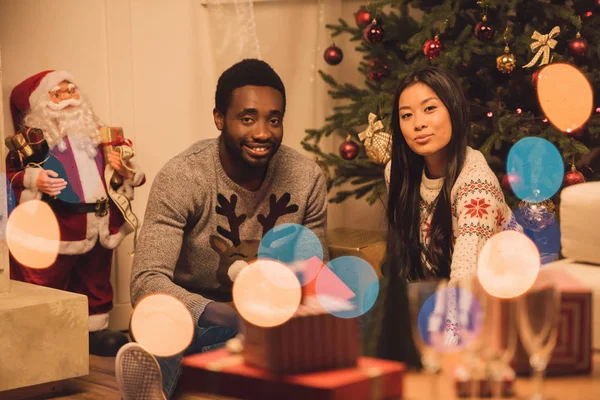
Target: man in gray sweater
(208,209)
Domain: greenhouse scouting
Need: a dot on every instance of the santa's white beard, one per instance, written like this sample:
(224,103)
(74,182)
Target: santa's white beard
(78,120)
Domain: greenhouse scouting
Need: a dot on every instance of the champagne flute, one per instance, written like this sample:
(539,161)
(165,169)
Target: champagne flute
(503,342)
(418,294)
(475,328)
(538,312)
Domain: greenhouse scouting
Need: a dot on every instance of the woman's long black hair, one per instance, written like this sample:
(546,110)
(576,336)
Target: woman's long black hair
(403,244)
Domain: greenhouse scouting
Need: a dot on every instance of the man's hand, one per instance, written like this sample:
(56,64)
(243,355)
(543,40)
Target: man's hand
(114,159)
(47,182)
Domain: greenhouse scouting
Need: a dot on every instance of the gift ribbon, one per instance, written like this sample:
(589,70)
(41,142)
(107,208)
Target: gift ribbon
(229,361)
(376,375)
(119,142)
(545,43)
(372,129)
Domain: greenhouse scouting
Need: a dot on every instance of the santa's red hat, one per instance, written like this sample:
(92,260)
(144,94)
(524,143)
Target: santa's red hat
(33,90)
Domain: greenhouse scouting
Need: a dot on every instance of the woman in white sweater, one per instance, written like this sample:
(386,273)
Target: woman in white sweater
(444,200)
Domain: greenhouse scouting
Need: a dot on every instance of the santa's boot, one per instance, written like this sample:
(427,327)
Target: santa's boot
(104,342)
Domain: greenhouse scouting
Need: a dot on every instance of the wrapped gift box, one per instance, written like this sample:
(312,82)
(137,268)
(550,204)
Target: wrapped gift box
(221,373)
(573,351)
(312,340)
(368,245)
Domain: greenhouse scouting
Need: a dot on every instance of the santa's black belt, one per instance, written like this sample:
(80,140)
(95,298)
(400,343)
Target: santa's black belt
(100,207)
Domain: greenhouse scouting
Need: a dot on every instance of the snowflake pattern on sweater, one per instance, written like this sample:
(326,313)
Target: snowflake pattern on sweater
(478,212)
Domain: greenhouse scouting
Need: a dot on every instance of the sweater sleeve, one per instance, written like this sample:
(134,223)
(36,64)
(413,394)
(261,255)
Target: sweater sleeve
(315,217)
(158,247)
(480,212)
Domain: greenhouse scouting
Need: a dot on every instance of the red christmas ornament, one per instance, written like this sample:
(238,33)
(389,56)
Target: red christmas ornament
(362,17)
(432,47)
(373,33)
(576,133)
(348,149)
(333,55)
(510,180)
(378,70)
(483,31)
(579,46)
(597,2)
(535,76)
(573,177)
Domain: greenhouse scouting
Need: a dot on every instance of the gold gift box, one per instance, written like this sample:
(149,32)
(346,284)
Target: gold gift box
(110,134)
(368,245)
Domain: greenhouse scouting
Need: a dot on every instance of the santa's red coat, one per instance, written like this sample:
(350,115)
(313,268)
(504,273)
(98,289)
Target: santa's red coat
(78,232)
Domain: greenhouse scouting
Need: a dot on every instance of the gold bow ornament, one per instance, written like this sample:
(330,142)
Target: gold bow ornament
(545,43)
(378,144)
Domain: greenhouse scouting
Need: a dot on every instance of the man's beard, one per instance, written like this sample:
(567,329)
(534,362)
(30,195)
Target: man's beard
(238,153)
(60,120)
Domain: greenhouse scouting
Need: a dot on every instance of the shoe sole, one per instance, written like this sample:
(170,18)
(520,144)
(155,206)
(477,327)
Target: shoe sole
(138,374)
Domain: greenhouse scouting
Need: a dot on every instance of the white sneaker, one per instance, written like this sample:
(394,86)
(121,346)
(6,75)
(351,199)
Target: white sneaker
(138,374)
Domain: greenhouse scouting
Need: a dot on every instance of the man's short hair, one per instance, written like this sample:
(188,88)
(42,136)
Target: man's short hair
(248,72)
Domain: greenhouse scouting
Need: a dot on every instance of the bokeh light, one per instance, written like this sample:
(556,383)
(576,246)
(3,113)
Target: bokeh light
(447,331)
(508,264)
(7,203)
(162,324)
(33,235)
(266,293)
(293,245)
(565,95)
(350,279)
(537,169)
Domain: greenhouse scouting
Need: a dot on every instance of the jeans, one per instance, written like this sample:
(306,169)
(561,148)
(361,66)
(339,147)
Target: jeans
(205,339)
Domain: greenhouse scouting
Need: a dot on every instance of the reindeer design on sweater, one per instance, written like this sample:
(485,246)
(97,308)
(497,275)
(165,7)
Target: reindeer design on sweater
(235,253)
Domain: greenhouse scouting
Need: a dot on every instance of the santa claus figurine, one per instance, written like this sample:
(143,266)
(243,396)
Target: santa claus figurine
(69,171)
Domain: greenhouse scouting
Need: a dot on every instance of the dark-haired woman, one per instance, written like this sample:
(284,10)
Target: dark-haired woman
(444,200)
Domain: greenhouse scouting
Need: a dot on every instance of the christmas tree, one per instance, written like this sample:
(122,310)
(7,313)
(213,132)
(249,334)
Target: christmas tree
(488,46)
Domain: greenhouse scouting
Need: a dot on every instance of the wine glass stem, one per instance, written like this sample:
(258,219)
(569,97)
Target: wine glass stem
(538,376)
(435,390)
(497,386)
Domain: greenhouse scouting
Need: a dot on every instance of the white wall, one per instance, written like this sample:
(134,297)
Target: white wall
(148,66)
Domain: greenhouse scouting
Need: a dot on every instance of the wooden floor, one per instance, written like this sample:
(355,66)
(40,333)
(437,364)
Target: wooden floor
(100,384)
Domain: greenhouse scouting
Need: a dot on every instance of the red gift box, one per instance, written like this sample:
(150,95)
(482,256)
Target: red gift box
(573,351)
(221,373)
(312,340)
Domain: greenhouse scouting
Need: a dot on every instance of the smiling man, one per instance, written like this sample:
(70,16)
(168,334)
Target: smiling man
(208,209)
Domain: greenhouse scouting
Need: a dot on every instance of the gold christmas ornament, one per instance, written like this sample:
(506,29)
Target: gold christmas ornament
(506,62)
(378,144)
(545,44)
